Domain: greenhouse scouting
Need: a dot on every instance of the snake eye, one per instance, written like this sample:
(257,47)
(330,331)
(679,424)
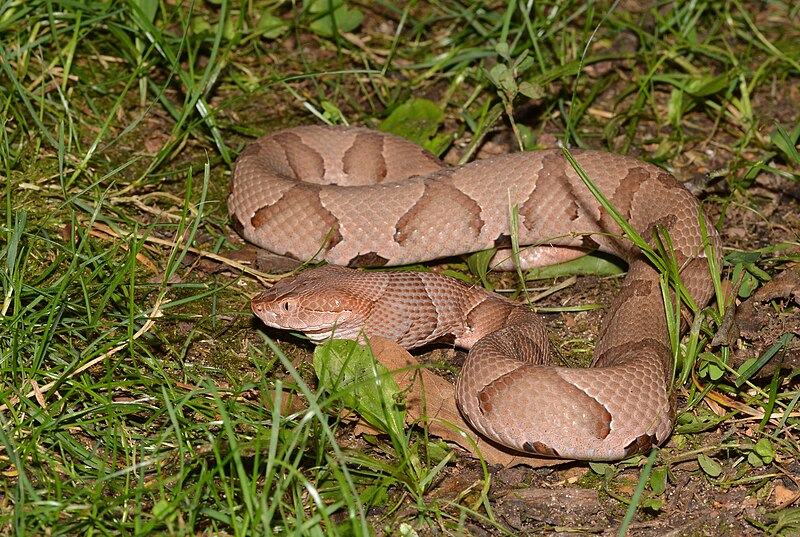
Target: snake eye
(286,306)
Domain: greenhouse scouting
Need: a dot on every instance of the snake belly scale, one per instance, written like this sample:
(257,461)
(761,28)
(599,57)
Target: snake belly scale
(357,197)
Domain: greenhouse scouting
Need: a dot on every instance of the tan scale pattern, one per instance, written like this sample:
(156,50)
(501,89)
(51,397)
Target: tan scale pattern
(422,211)
(462,212)
(298,203)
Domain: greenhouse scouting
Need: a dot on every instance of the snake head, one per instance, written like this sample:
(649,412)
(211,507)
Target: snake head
(317,303)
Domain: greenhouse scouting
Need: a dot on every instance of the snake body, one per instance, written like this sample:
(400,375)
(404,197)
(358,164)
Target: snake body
(357,197)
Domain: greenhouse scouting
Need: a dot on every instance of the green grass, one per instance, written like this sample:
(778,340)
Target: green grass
(138,394)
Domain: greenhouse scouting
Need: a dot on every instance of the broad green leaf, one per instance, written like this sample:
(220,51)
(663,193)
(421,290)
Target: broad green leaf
(335,16)
(478,264)
(710,367)
(531,90)
(502,50)
(652,504)
(698,421)
(418,120)
(734,258)
(749,276)
(709,465)
(707,85)
(331,112)
(600,468)
(319,7)
(658,480)
(765,450)
(754,460)
(200,25)
(270,26)
(349,371)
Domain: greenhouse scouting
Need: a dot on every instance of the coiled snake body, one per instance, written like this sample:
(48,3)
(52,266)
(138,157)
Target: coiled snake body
(357,197)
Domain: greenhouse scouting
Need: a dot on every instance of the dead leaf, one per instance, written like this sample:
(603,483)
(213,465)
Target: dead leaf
(784,496)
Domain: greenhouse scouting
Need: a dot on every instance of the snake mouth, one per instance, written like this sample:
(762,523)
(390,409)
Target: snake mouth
(317,331)
(318,336)
(322,333)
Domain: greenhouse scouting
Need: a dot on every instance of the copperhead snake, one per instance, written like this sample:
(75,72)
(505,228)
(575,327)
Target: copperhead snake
(357,197)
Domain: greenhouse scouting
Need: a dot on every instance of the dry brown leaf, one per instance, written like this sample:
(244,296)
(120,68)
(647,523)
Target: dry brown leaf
(432,399)
(784,495)
(290,401)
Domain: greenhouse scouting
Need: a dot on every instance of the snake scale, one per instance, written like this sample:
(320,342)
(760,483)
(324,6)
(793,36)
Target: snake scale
(357,197)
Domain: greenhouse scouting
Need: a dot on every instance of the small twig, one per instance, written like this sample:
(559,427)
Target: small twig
(264,278)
